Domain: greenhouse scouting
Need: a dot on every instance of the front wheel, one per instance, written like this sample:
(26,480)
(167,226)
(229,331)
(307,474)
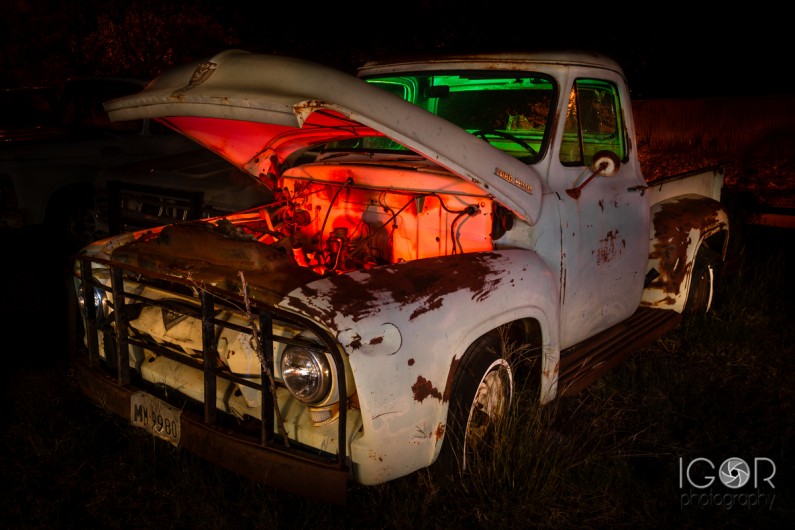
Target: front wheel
(481,396)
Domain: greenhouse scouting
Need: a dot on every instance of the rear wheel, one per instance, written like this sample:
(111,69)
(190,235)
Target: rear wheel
(703,283)
(481,396)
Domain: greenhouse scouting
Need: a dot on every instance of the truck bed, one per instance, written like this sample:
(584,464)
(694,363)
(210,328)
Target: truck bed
(707,181)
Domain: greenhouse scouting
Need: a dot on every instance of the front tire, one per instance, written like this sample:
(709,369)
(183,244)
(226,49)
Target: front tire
(480,399)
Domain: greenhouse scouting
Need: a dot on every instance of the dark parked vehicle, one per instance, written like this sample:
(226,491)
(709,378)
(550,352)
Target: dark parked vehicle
(178,187)
(54,147)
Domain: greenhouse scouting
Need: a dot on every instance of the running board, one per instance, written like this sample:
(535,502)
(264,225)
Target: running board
(586,362)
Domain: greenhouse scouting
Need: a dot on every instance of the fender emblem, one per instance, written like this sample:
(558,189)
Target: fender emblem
(507,177)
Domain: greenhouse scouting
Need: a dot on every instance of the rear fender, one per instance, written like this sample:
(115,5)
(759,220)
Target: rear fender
(680,225)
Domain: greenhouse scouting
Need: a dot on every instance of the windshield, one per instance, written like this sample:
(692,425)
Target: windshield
(510,110)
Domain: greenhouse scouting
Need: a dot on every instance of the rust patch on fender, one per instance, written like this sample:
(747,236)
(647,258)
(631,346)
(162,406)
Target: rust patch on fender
(423,389)
(610,248)
(353,402)
(422,283)
(356,343)
(411,362)
(555,371)
(439,432)
(672,226)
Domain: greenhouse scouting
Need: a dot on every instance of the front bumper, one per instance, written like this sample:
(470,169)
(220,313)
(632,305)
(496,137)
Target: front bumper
(269,463)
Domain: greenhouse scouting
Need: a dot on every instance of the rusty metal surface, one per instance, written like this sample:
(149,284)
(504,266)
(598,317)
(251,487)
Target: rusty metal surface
(274,467)
(421,285)
(404,328)
(776,210)
(680,224)
(207,256)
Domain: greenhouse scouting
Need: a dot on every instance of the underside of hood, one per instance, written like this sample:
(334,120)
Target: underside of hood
(257,110)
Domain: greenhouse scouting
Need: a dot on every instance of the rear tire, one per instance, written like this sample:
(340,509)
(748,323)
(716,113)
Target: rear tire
(480,399)
(703,283)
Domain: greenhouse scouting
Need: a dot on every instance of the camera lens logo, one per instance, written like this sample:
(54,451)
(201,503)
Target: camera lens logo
(734,473)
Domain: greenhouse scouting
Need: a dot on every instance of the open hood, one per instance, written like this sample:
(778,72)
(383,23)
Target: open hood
(256,110)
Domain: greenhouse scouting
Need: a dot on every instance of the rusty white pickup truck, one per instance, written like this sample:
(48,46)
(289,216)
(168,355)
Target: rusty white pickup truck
(440,229)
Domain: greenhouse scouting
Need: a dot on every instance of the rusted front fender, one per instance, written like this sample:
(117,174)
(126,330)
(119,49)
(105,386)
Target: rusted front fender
(405,327)
(680,225)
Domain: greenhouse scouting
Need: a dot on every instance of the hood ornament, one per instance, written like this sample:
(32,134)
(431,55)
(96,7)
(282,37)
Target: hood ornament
(200,75)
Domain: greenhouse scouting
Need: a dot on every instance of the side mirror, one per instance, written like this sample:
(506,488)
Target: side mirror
(605,163)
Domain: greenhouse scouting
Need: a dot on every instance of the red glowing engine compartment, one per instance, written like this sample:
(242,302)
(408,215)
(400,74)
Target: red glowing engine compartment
(351,215)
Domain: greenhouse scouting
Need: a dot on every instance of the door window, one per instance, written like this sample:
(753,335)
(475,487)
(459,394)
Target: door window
(594,122)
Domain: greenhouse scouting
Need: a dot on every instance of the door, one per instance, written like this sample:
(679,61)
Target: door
(604,217)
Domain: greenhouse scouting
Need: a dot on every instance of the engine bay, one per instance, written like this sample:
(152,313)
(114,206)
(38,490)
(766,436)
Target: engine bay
(338,217)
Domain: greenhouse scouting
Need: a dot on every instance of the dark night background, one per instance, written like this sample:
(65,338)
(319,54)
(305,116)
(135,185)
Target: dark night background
(667,50)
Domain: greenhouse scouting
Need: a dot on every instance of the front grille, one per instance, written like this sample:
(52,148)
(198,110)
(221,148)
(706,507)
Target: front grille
(115,342)
(133,207)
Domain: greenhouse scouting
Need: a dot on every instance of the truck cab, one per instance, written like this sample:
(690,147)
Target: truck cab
(586,224)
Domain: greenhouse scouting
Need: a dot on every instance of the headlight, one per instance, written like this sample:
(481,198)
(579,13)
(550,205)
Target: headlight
(306,373)
(100,302)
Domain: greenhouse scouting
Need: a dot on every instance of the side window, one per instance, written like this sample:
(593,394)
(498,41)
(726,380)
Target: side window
(594,122)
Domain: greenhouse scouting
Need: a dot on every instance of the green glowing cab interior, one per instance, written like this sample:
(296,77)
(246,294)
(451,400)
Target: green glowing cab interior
(513,112)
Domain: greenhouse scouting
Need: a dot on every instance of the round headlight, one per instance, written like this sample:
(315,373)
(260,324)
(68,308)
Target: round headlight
(306,374)
(100,302)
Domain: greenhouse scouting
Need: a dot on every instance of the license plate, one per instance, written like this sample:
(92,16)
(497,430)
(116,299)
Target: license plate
(158,418)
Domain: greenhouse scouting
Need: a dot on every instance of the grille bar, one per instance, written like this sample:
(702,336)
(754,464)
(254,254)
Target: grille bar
(210,355)
(266,352)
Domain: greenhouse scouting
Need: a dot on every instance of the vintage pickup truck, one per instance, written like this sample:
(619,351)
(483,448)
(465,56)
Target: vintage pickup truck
(440,228)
